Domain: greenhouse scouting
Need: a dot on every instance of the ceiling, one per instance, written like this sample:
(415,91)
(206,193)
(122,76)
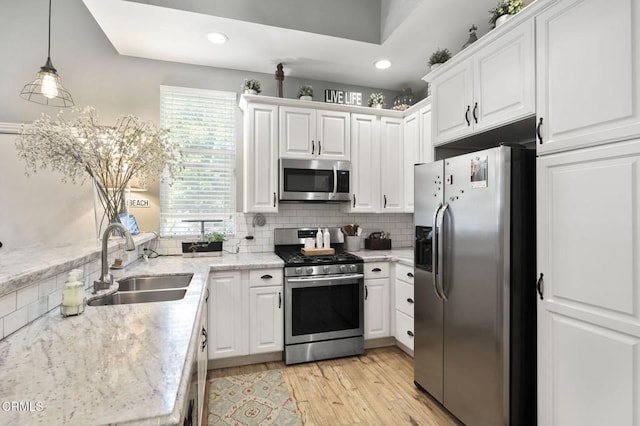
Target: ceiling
(331,40)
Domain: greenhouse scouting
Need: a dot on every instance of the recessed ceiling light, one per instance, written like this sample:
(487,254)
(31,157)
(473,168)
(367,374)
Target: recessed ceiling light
(382,64)
(217,38)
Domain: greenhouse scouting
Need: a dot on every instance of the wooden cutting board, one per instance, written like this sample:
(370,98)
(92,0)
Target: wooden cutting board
(318,251)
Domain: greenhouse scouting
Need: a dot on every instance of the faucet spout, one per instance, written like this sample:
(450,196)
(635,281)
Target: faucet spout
(106,279)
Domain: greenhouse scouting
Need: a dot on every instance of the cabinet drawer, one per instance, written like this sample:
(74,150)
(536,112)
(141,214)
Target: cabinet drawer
(376,270)
(404,329)
(262,277)
(404,297)
(404,273)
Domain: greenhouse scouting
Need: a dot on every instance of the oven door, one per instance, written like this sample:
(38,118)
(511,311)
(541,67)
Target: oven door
(323,307)
(314,180)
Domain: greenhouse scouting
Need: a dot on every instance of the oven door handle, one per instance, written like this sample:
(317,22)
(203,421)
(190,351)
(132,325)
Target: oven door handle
(341,277)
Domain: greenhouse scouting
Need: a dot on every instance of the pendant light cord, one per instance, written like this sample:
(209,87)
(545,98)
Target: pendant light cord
(49,45)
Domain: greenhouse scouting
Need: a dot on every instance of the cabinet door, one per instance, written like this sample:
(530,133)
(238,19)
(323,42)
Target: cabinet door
(266,324)
(588,225)
(260,159)
(426,147)
(392,165)
(297,132)
(365,167)
(332,132)
(585,100)
(404,329)
(411,150)
(203,342)
(504,79)
(228,326)
(452,98)
(376,308)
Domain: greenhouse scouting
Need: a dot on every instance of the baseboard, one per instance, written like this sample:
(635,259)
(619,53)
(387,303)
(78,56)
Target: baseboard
(238,361)
(379,343)
(404,349)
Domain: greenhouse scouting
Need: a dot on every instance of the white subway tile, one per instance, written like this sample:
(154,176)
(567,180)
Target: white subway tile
(54,299)
(16,320)
(47,287)
(7,304)
(37,308)
(27,295)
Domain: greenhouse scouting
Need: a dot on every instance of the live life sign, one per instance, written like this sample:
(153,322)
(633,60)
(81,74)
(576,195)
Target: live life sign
(341,97)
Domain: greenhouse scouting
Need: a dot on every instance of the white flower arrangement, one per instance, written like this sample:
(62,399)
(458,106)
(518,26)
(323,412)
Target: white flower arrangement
(111,156)
(305,90)
(251,85)
(505,7)
(376,99)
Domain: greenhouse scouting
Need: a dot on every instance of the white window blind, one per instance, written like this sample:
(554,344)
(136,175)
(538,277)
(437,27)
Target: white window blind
(203,123)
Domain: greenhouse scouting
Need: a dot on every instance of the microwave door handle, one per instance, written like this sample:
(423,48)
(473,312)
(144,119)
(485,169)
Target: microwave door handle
(335,180)
(441,251)
(434,251)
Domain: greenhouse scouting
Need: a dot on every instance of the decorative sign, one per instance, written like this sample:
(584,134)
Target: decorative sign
(341,97)
(140,203)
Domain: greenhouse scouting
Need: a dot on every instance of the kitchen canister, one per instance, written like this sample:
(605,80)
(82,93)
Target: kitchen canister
(351,243)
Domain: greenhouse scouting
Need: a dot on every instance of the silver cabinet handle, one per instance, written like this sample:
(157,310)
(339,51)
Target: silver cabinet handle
(440,280)
(434,251)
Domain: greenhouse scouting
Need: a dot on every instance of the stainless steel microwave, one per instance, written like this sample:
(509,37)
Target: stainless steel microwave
(314,180)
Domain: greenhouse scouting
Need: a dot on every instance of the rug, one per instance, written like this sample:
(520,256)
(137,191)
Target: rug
(251,399)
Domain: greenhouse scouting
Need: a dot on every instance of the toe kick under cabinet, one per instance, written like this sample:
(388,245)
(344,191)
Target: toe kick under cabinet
(404,305)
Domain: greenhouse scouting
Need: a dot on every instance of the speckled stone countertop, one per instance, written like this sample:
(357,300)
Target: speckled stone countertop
(124,364)
(401,255)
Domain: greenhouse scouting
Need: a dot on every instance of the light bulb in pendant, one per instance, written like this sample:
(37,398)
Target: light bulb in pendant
(49,85)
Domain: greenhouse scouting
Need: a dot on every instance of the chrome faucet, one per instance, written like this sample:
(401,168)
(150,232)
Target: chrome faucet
(106,279)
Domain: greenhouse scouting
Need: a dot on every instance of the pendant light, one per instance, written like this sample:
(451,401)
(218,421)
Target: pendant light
(46,89)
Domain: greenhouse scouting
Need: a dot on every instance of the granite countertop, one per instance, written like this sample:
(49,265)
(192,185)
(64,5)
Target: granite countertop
(401,255)
(112,364)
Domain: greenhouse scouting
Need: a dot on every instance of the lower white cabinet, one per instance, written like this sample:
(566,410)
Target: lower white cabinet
(246,312)
(203,342)
(376,302)
(404,303)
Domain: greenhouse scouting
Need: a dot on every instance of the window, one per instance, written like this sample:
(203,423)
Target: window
(203,123)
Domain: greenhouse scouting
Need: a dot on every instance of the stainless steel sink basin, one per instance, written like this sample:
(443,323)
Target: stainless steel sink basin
(154,282)
(125,297)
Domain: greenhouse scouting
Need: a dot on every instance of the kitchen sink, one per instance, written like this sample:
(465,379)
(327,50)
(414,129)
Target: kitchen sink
(126,297)
(154,282)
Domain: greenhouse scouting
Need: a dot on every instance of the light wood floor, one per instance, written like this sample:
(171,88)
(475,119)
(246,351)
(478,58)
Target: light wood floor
(372,389)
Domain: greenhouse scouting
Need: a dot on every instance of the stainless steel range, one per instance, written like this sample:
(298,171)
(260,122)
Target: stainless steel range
(323,298)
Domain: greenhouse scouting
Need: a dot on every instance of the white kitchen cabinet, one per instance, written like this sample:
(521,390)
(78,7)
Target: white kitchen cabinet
(588,227)
(376,303)
(392,165)
(228,316)
(582,101)
(314,134)
(426,147)
(365,164)
(494,86)
(266,329)
(260,151)
(203,342)
(411,151)
(404,305)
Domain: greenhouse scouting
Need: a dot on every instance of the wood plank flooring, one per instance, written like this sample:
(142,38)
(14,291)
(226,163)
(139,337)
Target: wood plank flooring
(372,389)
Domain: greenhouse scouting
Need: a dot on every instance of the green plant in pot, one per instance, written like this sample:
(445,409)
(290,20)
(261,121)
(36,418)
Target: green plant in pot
(503,10)
(305,93)
(376,100)
(251,87)
(439,57)
(210,245)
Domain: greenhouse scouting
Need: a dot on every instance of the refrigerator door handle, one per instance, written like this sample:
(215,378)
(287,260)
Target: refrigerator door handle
(434,251)
(440,276)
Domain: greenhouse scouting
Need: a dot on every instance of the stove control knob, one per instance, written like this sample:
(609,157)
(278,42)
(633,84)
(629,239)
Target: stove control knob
(343,268)
(353,268)
(298,270)
(326,268)
(310,270)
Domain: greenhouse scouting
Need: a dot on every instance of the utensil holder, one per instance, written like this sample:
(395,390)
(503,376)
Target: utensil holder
(351,243)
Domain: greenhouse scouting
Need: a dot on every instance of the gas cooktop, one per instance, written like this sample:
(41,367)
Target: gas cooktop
(294,257)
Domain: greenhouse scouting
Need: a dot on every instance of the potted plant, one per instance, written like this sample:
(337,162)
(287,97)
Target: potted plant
(439,57)
(376,100)
(305,93)
(210,245)
(251,87)
(503,11)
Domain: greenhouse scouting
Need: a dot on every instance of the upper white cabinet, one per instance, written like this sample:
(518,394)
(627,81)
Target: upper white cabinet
(492,87)
(311,133)
(412,153)
(260,171)
(392,165)
(365,163)
(584,99)
(426,147)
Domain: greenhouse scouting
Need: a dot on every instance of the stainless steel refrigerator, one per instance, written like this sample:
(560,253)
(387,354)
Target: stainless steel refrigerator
(475,349)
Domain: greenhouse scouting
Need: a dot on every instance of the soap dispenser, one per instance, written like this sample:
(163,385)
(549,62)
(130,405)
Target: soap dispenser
(327,238)
(319,238)
(73,294)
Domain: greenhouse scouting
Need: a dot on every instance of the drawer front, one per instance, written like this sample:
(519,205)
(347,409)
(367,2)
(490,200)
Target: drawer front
(404,329)
(404,273)
(376,270)
(263,277)
(404,297)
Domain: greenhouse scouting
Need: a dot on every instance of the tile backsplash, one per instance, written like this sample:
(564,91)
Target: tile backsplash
(313,215)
